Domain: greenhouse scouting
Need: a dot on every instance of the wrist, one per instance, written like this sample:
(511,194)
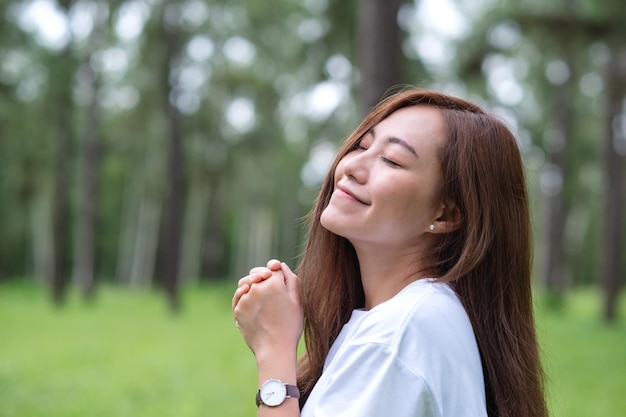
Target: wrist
(277,364)
(271,355)
(274,392)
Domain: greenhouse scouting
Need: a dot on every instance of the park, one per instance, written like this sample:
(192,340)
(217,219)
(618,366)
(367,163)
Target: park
(152,152)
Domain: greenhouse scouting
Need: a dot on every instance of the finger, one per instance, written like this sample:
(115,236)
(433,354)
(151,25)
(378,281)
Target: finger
(287,271)
(237,295)
(294,289)
(250,279)
(261,270)
(292,281)
(239,292)
(273,265)
(278,277)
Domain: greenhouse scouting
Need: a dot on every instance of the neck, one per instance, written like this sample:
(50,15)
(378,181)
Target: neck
(385,272)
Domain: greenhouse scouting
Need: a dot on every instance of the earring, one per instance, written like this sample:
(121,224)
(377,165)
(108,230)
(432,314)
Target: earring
(431,227)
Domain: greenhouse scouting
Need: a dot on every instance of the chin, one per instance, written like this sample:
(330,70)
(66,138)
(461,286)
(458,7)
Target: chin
(330,224)
(324,220)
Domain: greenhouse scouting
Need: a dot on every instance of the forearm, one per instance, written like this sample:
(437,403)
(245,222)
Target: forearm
(278,365)
(269,314)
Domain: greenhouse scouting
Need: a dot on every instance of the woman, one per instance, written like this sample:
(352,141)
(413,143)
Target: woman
(414,288)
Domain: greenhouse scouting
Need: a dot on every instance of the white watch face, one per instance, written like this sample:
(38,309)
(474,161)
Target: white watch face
(273,392)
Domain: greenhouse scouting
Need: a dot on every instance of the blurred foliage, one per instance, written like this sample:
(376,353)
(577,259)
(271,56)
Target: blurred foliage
(264,93)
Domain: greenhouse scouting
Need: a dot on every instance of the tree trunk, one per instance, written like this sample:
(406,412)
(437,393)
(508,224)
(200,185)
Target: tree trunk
(557,211)
(41,235)
(145,240)
(214,243)
(192,240)
(90,156)
(615,149)
(379,49)
(61,105)
(173,175)
(254,237)
(61,216)
(129,226)
(90,179)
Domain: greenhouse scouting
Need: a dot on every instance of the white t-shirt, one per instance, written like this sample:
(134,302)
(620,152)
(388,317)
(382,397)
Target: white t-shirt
(413,355)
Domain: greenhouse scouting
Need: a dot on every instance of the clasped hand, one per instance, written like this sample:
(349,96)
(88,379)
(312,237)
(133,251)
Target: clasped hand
(267,308)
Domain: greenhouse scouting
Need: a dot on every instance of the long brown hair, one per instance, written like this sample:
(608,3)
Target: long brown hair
(487,260)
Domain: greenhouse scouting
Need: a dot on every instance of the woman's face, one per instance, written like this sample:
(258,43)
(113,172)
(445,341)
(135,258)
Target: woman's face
(387,190)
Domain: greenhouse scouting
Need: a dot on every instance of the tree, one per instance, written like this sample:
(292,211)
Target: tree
(379,50)
(557,66)
(615,194)
(90,148)
(61,107)
(174,172)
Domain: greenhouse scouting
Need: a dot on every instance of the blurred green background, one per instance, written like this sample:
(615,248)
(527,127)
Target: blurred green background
(127,355)
(152,151)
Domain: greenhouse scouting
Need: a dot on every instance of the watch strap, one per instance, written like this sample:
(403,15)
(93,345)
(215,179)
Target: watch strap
(292,392)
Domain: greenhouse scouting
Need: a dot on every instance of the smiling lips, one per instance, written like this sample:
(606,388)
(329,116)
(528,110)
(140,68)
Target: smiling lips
(343,191)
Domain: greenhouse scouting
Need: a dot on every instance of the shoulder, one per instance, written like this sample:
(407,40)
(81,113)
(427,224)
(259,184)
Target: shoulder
(423,308)
(420,342)
(438,313)
(426,328)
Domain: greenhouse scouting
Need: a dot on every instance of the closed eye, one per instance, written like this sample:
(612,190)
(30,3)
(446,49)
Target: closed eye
(389,162)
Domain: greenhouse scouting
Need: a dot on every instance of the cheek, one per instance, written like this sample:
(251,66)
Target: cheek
(411,202)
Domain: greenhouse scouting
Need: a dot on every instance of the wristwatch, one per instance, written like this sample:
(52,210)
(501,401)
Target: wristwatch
(273,392)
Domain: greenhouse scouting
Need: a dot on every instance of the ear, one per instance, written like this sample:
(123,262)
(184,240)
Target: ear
(448,219)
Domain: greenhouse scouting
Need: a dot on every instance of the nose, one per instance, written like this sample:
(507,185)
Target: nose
(355,165)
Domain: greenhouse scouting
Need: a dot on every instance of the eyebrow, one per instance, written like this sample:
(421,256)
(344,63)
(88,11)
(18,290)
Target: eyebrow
(397,141)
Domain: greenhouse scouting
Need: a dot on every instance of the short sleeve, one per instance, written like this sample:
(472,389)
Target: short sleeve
(372,382)
(412,356)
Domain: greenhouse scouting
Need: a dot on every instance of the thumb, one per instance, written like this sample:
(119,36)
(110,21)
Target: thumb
(291,280)
(287,272)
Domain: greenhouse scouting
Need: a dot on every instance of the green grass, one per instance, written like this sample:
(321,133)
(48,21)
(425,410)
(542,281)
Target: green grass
(124,356)
(584,358)
(127,356)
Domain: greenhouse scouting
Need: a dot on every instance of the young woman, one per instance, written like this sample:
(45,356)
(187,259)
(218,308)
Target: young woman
(414,289)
